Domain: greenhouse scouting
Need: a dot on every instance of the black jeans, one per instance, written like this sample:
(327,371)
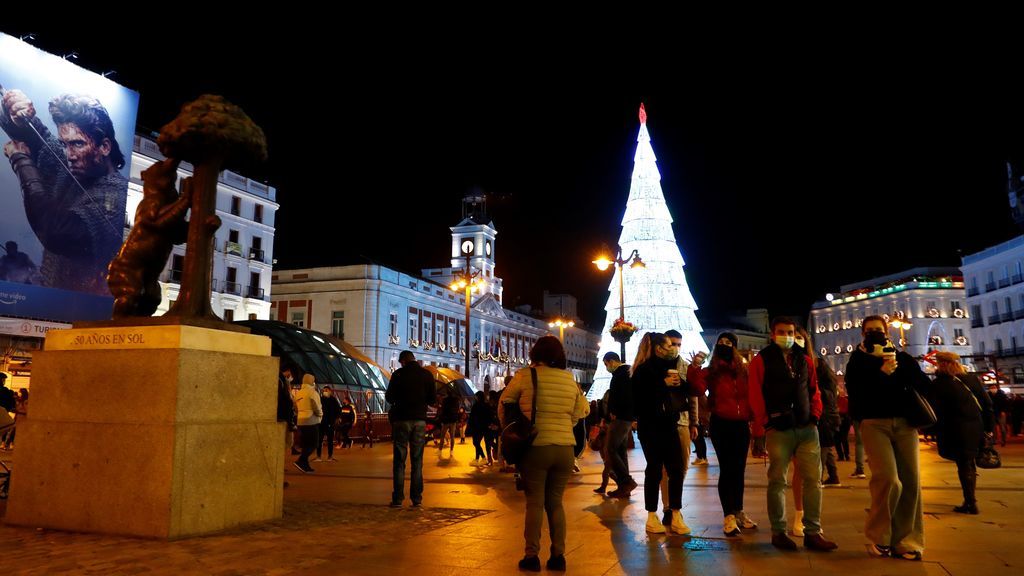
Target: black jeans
(660,443)
(345,427)
(843,437)
(308,435)
(731,439)
(326,433)
(701,444)
(477,439)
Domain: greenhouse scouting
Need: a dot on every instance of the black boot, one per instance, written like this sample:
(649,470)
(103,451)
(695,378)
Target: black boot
(967,472)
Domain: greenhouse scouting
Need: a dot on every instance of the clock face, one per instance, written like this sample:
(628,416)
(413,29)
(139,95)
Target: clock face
(467,247)
(487,248)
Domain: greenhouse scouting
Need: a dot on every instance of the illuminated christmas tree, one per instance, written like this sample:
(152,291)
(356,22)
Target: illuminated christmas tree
(656,297)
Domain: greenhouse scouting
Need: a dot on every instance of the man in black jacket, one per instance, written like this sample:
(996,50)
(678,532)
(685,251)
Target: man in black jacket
(620,426)
(410,391)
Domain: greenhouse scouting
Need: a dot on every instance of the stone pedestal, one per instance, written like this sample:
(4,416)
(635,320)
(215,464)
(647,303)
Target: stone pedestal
(153,431)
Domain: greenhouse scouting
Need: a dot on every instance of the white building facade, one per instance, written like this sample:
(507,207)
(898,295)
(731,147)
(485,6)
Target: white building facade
(931,300)
(383,311)
(994,279)
(243,246)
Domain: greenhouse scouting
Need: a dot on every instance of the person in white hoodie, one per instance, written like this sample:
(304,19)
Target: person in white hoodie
(309,412)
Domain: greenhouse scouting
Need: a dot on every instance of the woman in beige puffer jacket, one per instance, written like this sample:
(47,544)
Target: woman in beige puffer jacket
(548,463)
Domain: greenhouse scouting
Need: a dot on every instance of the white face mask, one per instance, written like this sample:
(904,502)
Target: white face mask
(800,342)
(785,342)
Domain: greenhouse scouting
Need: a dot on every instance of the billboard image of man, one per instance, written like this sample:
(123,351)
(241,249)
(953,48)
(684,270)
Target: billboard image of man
(66,134)
(73,190)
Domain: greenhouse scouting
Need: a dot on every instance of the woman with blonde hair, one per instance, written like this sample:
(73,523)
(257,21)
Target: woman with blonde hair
(965,417)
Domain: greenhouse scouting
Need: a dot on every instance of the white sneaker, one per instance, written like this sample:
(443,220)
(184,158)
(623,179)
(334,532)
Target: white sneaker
(315,460)
(654,525)
(729,526)
(798,524)
(745,522)
(678,525)
(700,462)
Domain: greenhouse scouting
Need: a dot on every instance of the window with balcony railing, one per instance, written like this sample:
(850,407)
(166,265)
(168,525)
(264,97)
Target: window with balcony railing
(254,292)
(1003,283)
(994,319)
(972,291)
(233,288)
(256,255)
(233,248)
(977,323)
(1017,278)
(990,286)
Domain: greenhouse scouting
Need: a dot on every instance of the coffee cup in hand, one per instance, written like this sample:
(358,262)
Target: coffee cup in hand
(674,375)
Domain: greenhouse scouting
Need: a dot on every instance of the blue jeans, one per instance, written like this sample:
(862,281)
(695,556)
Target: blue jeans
(408,434)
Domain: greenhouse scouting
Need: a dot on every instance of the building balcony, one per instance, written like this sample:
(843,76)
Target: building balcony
(972,292)
(977,323)
(993,320)
(257,255)
(254,292)
(990,286)
(1017,278)
(1018,314)
(233,288)
(1004,282)
(1007,316)
(233,248)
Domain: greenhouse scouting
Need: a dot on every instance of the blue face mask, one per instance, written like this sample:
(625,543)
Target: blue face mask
(785,342)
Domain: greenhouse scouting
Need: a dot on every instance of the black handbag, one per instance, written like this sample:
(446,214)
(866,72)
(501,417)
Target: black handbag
(988,457)
(517,436)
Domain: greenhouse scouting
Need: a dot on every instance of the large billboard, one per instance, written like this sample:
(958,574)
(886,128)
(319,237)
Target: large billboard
(66,135)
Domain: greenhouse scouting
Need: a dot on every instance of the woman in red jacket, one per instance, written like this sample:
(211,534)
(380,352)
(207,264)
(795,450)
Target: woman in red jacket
(725,381)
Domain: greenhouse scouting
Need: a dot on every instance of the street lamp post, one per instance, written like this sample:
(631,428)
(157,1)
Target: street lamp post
(562,325)
(902,324)
(469,282)
(634,261)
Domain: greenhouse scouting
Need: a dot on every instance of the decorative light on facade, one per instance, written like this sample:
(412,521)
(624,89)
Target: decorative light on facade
(960,341)
(933,313)
(823,351)
(958,313)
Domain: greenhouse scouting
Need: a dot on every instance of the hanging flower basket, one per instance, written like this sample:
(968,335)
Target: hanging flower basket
(622,331)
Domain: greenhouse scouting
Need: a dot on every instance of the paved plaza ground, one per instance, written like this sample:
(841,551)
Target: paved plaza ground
(336,521)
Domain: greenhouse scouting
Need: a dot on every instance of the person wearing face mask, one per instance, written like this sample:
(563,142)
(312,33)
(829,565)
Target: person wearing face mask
(686,403)
(725,381)
(332,411)
(654,376)
(879,381)
(786,403)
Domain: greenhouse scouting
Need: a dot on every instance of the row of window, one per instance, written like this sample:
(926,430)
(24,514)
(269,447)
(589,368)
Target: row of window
(236,209)
(853,319)
(1010,275)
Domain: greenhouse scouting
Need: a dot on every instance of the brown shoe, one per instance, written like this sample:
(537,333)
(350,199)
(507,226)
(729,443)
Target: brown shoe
(818,542)
(783,542)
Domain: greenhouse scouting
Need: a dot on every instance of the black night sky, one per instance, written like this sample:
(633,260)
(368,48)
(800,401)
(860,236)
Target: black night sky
(789,170)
